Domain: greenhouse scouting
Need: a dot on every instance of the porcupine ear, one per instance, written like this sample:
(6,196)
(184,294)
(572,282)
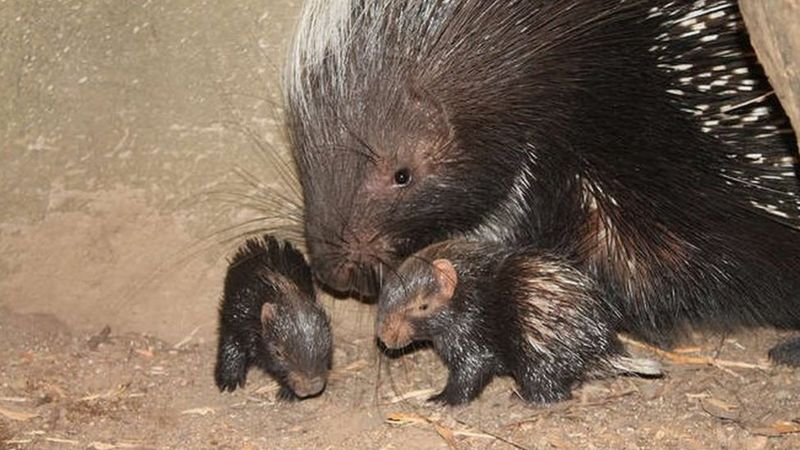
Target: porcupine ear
(447,278)
(268,313)
(432,111)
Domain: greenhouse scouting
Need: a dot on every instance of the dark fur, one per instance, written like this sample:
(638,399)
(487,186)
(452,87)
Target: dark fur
(534,123)
(295,345)
(482,331)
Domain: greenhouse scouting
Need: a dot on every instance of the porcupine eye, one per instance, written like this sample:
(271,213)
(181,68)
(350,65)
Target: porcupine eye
(423,307)
(402,177)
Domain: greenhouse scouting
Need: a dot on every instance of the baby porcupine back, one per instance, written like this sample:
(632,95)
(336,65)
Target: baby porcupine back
(269,317)
(637,138)
(265,256)
(565,326)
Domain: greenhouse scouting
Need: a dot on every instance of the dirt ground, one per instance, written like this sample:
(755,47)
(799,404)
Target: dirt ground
(64,388)
(119,122)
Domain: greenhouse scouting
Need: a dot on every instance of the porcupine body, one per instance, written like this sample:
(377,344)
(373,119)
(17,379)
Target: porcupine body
(493,311)
(639,138)
(269,317)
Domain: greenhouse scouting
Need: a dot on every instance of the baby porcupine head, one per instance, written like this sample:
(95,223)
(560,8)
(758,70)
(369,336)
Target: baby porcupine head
(412,299)
(296,337)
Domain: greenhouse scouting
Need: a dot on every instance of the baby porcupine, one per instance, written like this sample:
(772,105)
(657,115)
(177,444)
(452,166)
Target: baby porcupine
(269,317)
(491,311)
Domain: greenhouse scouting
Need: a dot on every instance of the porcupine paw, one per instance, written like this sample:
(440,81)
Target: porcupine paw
(285,394)
(446,398)
(545,397)
(231,369)
(544,393)
(786,353)
(458,392)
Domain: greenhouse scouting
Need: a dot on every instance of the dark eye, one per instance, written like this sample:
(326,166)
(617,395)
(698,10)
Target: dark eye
(402,177)
(423,307)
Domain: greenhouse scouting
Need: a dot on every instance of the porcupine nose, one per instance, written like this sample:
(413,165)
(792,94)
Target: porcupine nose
(394,331)
(307,387)
(348,277)
(347,268)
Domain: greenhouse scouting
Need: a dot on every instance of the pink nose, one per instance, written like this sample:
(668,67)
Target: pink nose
(307,387)
(395,331)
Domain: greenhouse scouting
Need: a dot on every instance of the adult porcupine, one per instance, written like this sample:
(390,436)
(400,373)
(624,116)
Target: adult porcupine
(637,137)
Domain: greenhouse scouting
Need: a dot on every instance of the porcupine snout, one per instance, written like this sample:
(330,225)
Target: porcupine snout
(304,386)
(350,265)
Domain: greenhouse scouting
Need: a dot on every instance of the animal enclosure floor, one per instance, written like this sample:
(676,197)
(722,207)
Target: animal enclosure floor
(61,389)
